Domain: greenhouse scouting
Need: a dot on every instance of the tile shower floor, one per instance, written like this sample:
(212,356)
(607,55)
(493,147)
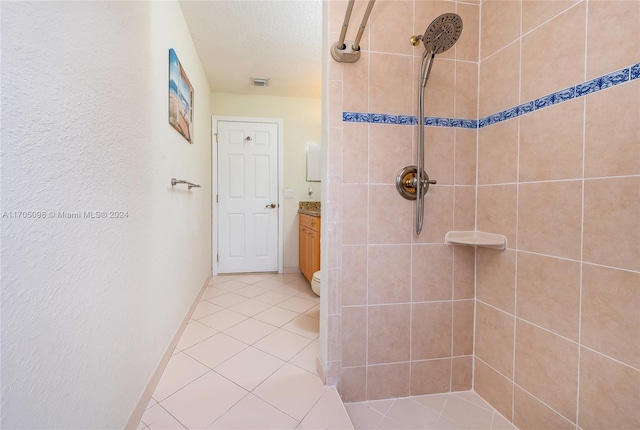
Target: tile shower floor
(455,411)
(247,360)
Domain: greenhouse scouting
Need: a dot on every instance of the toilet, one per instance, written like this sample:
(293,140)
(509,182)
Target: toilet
(315,283)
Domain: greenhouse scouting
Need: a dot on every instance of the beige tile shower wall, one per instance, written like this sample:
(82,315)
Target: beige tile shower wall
(557,326)
(402,305)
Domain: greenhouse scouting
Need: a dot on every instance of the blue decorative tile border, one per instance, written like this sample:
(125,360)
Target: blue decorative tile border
(379,118)
(580,90)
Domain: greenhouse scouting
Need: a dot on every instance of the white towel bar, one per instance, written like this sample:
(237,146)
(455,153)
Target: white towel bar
(175,181)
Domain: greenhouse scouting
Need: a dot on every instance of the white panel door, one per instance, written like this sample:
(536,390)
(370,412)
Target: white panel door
(247,197)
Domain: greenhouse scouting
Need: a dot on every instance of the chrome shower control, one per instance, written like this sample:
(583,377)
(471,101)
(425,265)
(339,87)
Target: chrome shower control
(407,182)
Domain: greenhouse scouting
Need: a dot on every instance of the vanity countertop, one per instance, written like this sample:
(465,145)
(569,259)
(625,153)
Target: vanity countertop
(309,208)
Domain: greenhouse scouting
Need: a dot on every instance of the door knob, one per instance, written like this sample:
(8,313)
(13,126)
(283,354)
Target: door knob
(271,206)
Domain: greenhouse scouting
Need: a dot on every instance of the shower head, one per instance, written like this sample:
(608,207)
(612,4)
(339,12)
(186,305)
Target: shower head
(442,33)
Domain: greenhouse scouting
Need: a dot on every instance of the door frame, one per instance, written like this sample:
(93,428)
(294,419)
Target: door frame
(214,184)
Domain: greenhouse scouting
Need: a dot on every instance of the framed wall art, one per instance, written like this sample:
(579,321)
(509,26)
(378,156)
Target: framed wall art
(180,98)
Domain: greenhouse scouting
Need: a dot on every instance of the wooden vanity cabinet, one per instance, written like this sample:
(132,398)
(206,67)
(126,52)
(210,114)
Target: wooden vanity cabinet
(309,245)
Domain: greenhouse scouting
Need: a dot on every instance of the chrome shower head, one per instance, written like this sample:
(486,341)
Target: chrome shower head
(442,33)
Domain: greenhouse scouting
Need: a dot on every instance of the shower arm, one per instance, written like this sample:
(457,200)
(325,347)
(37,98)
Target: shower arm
(419,184)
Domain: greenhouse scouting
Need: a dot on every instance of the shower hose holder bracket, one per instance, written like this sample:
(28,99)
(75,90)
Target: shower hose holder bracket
(346,53)
(406,182)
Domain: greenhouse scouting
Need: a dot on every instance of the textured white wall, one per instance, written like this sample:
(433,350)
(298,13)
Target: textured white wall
(301,122)
(90,305)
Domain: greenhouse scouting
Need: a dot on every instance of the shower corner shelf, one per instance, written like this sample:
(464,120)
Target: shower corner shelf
(476,238)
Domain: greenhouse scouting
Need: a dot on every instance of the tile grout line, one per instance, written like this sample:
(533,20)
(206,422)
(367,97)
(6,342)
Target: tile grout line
(516,246)
(475,219)
(582,207)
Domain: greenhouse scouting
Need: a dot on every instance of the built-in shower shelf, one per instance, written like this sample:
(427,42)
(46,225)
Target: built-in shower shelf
(476,238)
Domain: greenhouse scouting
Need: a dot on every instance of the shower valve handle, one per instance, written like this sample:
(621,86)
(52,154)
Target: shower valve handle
(414,181)
(424,182)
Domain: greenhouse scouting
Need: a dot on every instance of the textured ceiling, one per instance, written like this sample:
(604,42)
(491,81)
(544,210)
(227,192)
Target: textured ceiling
(275,39)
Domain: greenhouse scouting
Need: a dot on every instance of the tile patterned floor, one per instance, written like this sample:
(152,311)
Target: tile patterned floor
(461,410)
(247,360)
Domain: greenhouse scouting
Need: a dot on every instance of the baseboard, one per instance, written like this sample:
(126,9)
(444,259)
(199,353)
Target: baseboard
(321,369)
(291,270)
(138,411)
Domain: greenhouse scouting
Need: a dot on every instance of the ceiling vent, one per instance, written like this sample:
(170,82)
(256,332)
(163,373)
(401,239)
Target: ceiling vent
(260,82)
